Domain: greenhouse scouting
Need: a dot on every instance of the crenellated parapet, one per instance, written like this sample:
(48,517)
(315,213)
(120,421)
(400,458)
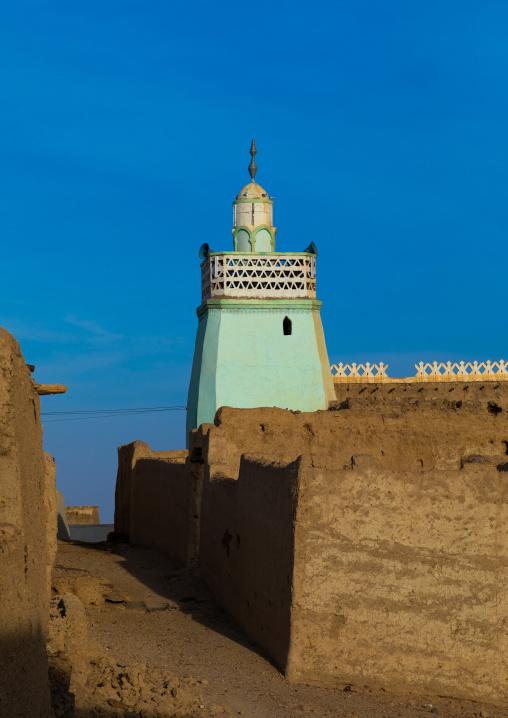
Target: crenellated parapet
(431,372)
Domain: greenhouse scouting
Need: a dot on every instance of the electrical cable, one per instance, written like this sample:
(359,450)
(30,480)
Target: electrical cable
(105,413)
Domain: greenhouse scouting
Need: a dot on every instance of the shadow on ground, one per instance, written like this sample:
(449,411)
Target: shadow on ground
(183,588)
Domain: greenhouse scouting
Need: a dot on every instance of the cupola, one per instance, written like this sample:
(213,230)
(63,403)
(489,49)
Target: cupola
(253,229)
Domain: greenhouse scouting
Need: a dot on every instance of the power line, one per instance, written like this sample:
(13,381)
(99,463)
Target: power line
(101,411)
(105,413)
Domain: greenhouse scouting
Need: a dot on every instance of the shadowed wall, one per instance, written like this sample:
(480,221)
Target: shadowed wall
(155,500)
(25,556)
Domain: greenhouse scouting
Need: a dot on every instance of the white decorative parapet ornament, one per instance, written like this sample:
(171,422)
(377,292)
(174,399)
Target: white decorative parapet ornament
(462,371)
(359,372)
(435,371)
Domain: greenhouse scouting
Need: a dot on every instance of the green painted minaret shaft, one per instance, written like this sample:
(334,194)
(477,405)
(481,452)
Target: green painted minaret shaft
(260,340)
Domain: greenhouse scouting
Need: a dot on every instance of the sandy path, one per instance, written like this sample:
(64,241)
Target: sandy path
(194,637)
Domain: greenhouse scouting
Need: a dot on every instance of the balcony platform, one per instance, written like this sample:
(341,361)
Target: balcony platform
(291,275)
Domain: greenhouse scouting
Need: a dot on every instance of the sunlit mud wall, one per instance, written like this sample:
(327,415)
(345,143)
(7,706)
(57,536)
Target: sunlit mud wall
(365,546)
(82,515)
(441,395)
(27,512)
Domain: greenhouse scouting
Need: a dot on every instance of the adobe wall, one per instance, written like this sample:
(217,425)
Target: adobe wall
(24,553)
(128,454)
(398,436)
(63,533)
(398,573)
(247,547)
(439,395)
(161,514)
(127,457)
(51,511)
(362,545)
(156,500)
(425,409)
(82,515)
(400,579)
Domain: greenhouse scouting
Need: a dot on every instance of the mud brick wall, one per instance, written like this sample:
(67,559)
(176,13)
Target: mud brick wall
(400,578)
(82,515)
(247,547)
(399,433)
(161,510)
(158,497)
(441,395)
(398,436)
(128,455)
(389,524)
(24,550)
(51,510)
(367,544)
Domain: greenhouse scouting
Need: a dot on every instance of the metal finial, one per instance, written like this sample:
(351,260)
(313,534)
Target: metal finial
(253,167)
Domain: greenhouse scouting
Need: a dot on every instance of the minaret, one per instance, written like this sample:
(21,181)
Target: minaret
(260,340)
(253,229)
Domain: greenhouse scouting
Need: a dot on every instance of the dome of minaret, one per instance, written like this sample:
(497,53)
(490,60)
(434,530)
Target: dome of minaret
(252,191)
(253,229)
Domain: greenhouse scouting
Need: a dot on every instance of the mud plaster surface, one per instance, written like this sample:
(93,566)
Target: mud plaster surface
(25,556)
(192,638)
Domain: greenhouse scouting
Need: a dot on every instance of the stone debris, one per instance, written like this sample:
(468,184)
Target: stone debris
(166,606)
(91,590)
(114,596)
(142,606)
(84,678)
(136,606)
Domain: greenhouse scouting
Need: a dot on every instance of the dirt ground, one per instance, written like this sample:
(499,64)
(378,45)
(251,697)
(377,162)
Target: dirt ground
(167,621)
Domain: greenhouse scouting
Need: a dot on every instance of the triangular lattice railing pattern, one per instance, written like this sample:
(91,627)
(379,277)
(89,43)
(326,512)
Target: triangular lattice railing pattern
(259,276)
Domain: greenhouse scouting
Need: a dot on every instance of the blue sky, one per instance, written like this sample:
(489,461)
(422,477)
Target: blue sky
(124,135)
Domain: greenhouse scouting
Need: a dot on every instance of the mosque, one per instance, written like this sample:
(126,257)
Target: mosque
(260,340)
(330,537)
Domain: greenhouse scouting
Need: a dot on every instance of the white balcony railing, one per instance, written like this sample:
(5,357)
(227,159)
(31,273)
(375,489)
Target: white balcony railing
(259,276)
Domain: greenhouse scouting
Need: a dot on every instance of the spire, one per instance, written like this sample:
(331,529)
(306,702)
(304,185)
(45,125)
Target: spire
(253,167)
